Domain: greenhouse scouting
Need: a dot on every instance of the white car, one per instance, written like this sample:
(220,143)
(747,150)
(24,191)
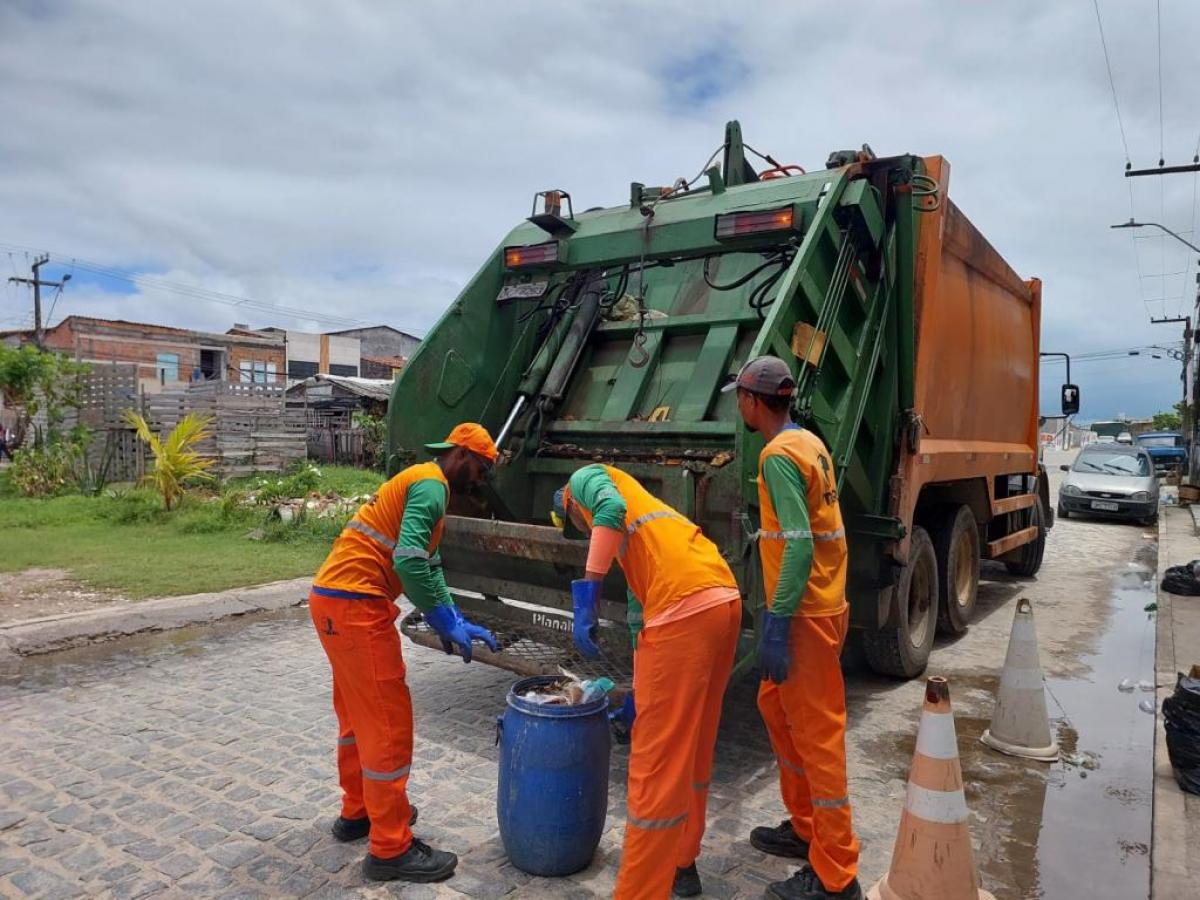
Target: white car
(1110,481)
(1124,438)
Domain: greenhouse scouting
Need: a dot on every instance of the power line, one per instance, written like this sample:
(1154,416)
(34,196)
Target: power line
(1158,16)
(1112,84)
(197,293)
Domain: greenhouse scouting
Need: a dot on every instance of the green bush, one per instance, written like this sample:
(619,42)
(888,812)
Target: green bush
(43,471)
(132,508)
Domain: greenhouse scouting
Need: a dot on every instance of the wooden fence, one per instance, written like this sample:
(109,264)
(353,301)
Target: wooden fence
(253,428)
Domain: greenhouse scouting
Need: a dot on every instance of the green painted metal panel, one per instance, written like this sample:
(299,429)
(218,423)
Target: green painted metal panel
(631,381)
(707,375)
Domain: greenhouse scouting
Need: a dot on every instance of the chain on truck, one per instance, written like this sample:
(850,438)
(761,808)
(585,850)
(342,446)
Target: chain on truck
(605,335)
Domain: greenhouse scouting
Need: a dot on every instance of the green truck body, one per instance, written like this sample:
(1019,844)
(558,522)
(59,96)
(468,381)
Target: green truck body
(606,335)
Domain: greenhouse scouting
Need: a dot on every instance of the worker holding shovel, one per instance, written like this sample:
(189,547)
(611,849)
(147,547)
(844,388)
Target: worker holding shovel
(685,614)
(802,544)
(388,547)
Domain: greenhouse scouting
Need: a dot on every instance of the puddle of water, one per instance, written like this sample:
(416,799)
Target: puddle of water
(1060,830)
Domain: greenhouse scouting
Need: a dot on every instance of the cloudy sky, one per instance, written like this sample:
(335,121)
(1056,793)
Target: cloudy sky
(358,160)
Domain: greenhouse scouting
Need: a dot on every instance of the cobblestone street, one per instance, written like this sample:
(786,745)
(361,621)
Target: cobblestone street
(201,762)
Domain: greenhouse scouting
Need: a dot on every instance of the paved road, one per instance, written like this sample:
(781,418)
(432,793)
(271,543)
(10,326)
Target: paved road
(201,763)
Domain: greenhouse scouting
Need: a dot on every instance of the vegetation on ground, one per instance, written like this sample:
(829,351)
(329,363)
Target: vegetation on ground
(176,463)
(124,539)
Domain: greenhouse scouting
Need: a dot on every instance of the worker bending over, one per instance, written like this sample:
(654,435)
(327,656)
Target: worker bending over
(802,544)
(391,546)
(685,617)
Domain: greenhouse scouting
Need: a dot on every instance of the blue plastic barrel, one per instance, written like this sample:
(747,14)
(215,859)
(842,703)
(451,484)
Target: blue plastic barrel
(552,797)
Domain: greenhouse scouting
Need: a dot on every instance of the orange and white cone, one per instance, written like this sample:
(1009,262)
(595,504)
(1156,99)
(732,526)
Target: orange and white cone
(932,859)
(1020,725)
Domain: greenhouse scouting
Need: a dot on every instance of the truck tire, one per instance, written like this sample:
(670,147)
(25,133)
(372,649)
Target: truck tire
(903,651)
(1025,561)
(956,544)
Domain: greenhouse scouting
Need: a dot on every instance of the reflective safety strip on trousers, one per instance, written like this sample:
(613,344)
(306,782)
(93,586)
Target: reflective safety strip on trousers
(836,803)
(364,528)
(791,767)
(655,824)
(385,776)
(346,741)
(700,785)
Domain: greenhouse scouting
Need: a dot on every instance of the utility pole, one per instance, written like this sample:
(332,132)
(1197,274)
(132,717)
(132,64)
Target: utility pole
(38,284)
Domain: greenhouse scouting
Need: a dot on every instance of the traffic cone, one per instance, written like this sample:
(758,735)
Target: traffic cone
(932,859)
(1020,725)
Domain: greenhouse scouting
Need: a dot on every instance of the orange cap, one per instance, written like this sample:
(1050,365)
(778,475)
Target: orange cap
(470,435)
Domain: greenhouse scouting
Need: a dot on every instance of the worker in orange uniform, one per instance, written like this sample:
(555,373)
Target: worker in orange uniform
(391,546)
(802,544)
(685,616)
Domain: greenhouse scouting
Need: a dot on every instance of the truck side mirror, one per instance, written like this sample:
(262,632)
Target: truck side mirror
(1070,399)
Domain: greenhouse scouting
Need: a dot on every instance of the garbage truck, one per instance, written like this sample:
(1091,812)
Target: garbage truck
(605,335)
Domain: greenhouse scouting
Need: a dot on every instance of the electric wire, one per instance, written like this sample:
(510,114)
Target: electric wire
(193,291)
(1111,83)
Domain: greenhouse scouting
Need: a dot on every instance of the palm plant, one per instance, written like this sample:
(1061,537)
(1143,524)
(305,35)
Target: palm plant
(176,461)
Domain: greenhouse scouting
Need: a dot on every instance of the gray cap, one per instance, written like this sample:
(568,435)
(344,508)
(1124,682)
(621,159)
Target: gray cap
(765,375)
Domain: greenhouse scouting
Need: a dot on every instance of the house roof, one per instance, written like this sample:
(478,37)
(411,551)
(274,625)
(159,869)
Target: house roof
(375,328)
(372,388)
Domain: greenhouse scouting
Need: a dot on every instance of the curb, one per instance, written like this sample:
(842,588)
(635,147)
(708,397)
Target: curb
(1170,878)
(33,637)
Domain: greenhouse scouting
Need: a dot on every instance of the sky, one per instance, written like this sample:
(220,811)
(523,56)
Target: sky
(358,161)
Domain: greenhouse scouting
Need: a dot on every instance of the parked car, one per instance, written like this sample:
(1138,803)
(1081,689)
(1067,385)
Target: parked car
(1166,449)
(1106,439)
(1110,481)
(1124,438)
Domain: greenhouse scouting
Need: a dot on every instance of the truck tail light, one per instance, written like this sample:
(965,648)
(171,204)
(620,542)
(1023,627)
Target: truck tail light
(533,255)
(757,222)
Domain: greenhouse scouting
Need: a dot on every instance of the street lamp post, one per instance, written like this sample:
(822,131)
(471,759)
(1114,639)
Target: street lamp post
(1133,224)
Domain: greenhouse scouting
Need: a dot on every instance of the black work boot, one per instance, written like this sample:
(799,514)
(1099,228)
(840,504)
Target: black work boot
(687,882)
(805,885)
(347,830)
(780,841)
(421,864)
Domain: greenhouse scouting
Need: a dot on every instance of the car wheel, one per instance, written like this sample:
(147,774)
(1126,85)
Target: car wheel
(1062,511)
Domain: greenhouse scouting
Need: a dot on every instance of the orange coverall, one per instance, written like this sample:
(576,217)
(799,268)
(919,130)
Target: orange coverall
(692,614)
(806,715)
(353,607)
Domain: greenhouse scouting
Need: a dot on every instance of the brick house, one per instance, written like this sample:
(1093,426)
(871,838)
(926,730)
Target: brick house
(166,356)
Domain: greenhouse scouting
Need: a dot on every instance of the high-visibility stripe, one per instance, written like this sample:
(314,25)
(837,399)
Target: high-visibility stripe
(829,535)
(335,594)
(700,785)
(1022,679)
(799,770)
(797,534)
(364,528)
(943,807)
(650,517)
(642,520)
(935,736)
(656,824)
(410,552)
(385,776)
(346,741)
(835,803)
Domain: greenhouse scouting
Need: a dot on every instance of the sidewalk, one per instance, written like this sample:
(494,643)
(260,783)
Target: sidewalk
(31,637)
(1176,837)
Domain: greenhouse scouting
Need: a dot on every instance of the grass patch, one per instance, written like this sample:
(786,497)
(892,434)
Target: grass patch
(124,541)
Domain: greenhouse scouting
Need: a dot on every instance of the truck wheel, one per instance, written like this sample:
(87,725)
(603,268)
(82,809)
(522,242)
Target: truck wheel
(1025,561)
(956,544)
(903,651)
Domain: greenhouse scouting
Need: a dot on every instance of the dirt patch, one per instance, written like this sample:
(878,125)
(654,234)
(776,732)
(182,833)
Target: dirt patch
(35,593)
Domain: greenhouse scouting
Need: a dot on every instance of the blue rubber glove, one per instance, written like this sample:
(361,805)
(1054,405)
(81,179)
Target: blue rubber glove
(456,632)
(622,720)
(585,595)
(774,652)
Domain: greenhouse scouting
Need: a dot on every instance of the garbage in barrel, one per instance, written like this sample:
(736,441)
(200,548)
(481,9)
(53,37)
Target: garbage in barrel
(552,796)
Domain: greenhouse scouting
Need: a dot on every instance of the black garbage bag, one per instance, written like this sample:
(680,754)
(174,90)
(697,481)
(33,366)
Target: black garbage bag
(1181,719)
(1182,580)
